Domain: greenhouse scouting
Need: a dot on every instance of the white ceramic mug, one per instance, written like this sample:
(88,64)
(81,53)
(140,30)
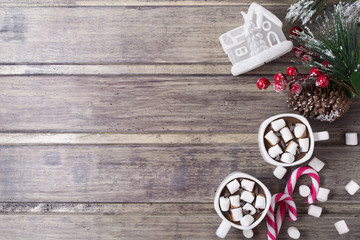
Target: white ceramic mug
(314,136)
(226,224)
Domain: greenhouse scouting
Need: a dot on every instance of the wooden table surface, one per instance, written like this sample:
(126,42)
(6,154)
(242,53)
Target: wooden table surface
(119,119)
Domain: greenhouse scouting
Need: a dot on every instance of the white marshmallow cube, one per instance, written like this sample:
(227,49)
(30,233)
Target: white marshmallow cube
(316,164)
(351,139)
(279,172)
(247,185)
(236,214)
(286,134)
(314,211)
(248,233)
(304,144)
(233,186)
(260,201)
(291,147)
(299,130)
(304,190)
(247,196)
(224,204)
(278,124)
(293,232)
(235,201)
(323,194)
(287,158)
(341,227)
(272,138)
(275,150)
(249,207)
(352,187)
(247,220)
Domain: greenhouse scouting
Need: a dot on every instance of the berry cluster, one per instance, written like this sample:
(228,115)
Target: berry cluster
(304,53)
(295,81)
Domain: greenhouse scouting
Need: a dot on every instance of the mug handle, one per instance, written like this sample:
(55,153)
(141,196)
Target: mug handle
(223,229)
(321,136)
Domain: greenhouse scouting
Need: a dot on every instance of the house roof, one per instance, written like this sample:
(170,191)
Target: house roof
(260,12)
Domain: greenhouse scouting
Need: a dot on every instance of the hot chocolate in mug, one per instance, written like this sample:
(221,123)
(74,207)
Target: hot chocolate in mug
(266,127)
(226,224)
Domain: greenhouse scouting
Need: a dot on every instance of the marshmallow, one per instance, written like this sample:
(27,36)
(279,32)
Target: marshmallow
(300,130)
(278,124)
(304,144)
(351,139)
(293,232)
(224,204)
(291,147)
(235,201)
(260,201)
(314,211)
(233,186)
(286,134)
(247,220)
(249,207)
(316,164)
(248,233)
(279,172)
(247,185)
(272,138)
(275,151)
(323,194)
(341,227)
(247,196)
(236,214)
(352,187)
(287,158)
(304,190)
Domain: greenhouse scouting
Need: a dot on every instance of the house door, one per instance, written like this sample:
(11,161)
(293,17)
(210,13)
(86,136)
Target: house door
(273,38)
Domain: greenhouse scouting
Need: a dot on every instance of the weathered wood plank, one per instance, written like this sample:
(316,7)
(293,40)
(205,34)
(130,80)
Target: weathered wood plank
(112,3)
(103,35)
(120,138)
(183,221)
(150,173)
(144,103)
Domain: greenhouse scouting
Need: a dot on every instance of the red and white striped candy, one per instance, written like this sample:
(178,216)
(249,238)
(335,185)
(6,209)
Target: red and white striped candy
(273,226)
(290,186)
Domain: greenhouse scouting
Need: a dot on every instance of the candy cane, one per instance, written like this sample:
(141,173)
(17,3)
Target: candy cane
(273,226)
(290,186)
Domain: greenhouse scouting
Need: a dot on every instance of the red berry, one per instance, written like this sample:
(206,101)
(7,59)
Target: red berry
(306,58)
(295,88)
(315,72)
(298,51)
(325,63)
(279,76)
(292,71)
(295,31)
(322,81)
(262,83)
(280,86)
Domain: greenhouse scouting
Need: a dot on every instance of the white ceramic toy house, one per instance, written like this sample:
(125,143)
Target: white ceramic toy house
(258,41)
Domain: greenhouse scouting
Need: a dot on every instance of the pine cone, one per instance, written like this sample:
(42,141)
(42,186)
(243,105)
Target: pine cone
(324,104)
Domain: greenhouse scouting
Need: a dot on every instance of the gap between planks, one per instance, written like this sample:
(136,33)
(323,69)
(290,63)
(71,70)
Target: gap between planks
(126,138)
(342,208)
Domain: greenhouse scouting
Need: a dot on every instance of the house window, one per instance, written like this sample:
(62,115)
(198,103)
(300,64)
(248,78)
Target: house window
(273,38)
(241,51)
(266,25)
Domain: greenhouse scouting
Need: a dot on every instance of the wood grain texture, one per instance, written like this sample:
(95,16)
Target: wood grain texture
(144,103)
(150,173)
(154,222)
(102,35)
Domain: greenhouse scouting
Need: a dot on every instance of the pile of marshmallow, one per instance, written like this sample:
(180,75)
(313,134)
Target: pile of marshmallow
(243,202)
(293,141)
